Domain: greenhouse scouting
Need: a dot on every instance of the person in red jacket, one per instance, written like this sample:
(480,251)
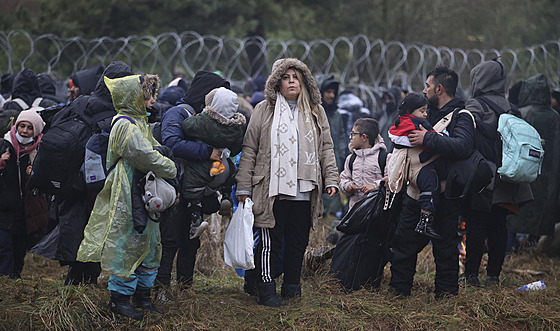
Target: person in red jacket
(413,112)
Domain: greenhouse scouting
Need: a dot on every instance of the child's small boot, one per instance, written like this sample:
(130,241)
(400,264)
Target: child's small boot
(198,224)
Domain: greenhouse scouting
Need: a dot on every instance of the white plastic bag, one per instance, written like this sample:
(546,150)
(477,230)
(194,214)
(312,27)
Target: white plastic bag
(238,243)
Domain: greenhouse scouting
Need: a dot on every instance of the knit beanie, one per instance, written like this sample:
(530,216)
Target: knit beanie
(225,102)
(30,115)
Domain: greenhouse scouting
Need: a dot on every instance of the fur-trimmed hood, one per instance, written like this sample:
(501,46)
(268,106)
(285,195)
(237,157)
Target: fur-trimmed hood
(151,84)
(278,68)
(237,119)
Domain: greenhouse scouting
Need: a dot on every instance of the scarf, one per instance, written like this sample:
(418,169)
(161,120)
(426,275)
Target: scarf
(31,149)
(293,142)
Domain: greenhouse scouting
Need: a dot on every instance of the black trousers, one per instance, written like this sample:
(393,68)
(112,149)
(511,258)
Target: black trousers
(407,243)
(19,242)
(83,273)
(174,227)
(293,222)
(482,225)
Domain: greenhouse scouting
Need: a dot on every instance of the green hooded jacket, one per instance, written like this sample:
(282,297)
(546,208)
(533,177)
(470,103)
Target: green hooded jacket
(540,215)
(214,129)
(109,236)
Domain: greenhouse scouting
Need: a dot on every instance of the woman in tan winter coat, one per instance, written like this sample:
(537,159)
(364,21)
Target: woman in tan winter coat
(286,163)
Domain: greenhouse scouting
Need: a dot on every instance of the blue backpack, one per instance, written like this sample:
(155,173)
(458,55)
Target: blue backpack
(95,169)
(522,151)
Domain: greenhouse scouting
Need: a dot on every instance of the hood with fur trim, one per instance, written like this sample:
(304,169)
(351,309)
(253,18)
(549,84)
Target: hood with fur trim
(151,84)
(280,67)
(237,119)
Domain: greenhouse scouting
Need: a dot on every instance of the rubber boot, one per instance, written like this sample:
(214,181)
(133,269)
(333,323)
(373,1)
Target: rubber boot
(267,295)
(142,299)
(290,291)
(120,304)
(75,274)
(426,226)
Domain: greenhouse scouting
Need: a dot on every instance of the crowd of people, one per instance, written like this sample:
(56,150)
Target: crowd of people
(295,145)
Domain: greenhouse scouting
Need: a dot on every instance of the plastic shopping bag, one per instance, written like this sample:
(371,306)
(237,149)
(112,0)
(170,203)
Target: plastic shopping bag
(238,243)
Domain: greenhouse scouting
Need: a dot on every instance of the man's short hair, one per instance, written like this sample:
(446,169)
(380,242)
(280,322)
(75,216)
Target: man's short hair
(368,126)
(447,78)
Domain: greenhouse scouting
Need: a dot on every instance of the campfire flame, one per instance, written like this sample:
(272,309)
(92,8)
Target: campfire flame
(463,242)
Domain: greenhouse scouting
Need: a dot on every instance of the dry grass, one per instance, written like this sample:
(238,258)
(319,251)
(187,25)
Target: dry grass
(40,300)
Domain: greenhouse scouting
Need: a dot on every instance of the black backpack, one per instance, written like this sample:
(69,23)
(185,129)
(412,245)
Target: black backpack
(56,169)
(48,115)
(8,119)
(488,140)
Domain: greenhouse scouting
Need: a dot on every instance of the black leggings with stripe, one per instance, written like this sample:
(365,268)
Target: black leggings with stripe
(293,222)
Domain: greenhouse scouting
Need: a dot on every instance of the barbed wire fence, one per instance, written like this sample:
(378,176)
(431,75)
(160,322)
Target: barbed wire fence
(366,66)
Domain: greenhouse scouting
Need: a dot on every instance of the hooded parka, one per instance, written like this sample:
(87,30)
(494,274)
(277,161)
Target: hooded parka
(253,177)
(540,215)
(110,237)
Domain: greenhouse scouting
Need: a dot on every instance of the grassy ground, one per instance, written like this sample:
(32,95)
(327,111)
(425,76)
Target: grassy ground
(40,300)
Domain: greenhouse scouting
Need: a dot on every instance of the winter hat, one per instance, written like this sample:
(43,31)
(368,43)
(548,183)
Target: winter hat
(202,83)
(30,115)
(224,102)
(256,98)
(258,83)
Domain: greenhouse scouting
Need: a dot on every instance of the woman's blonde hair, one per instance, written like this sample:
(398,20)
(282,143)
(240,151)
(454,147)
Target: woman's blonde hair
(303,100)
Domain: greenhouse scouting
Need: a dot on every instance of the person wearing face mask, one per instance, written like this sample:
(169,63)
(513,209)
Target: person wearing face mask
(17,151)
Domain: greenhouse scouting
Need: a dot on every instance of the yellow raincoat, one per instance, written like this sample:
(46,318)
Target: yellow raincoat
(109,236)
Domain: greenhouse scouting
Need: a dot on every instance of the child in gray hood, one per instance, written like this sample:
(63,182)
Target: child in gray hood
(219,125)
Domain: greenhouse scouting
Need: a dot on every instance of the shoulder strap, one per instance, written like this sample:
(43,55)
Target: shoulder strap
(187,108)
(37,102)
(470,114)
(21,103)
(120,157)
(444,122)
(351,162)
(485,102)
(382,160)
(123,116)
